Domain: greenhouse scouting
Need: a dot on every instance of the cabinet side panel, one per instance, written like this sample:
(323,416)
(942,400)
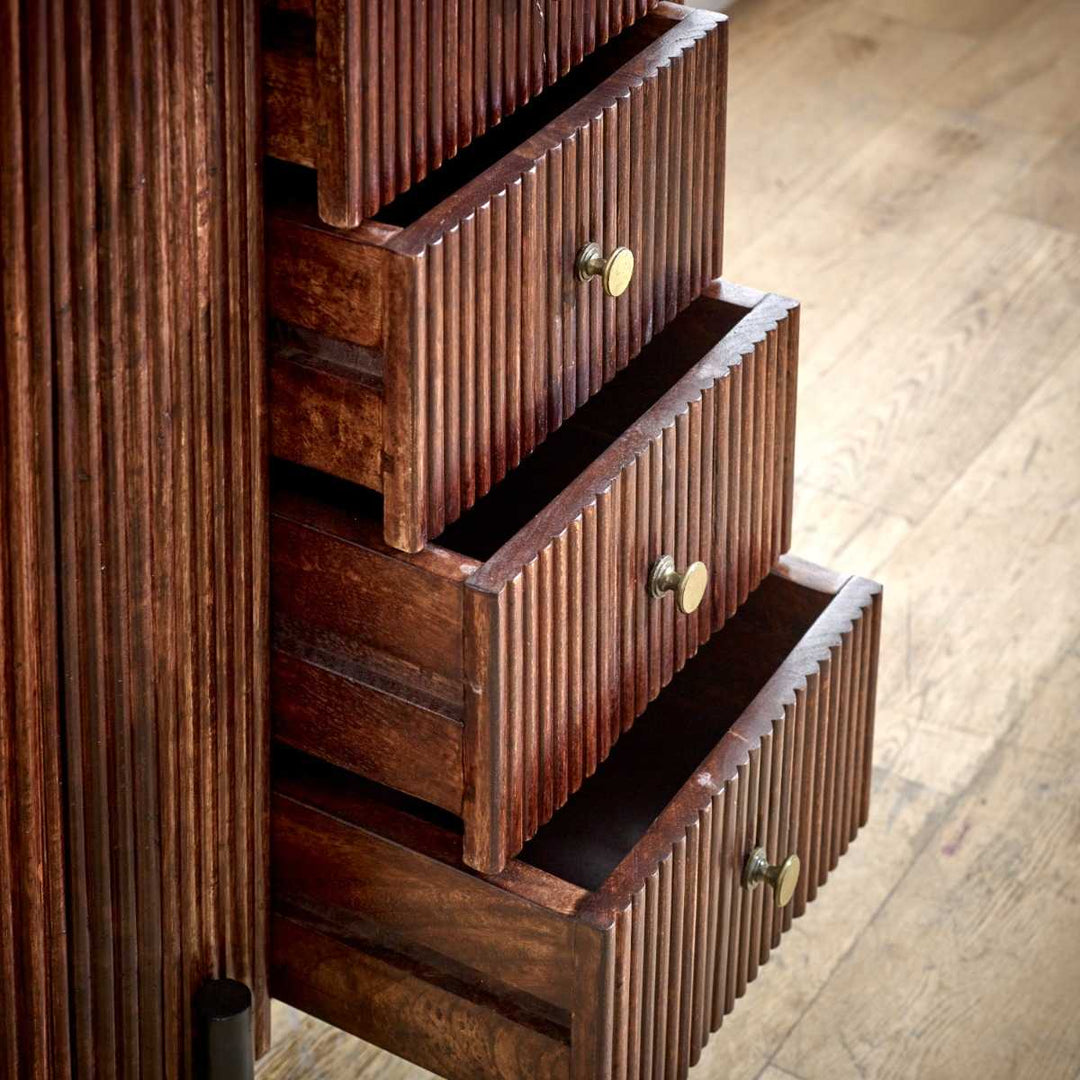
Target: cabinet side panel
(34,1030)
(162,519)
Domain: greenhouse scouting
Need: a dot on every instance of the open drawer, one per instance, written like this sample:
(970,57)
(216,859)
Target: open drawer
(491,672)
(625,931)
(428,351)
(376,96)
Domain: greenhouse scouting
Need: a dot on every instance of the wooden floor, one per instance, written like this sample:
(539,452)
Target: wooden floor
(910,169)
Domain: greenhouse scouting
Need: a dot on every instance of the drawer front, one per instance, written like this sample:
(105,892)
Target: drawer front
(674,948)
(564,646)
(376,96)
(503,341)
(625,932)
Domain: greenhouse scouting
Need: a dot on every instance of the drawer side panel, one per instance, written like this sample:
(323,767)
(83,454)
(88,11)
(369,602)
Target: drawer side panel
(392,90)
(690,938)
(509,339)
(574,648)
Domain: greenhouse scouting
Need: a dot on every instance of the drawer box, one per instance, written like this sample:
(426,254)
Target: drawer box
(491,672)
(624,932)
(376,96)
(428,351)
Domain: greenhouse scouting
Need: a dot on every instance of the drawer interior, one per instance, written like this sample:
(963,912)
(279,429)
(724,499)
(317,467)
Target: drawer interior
(525,122)
(614,808)
(550,469)
(602,822)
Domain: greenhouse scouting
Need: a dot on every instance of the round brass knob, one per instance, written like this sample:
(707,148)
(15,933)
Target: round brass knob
(616,270)
(688,587)
(783,877)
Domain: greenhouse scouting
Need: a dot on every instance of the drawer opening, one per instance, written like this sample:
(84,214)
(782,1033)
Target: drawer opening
(604,820)
(553,466)
(524,123)
(567,452)
(764,740)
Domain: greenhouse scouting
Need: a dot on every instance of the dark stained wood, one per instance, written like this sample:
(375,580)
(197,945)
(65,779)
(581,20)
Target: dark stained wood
(350,876)
(373,731)
(418,1012)
(133,532)
(507,624)
(624,924)
(34,1022)
(464,288)
(378,96)
(328,411)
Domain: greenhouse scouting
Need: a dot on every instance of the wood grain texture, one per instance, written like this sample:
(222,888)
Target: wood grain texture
(625,926)
(510,343)
(793,775)
(556,670)
(377,96)
(487,340)
(412,746)
(519,662)
(420,1013)
(34,1022)
(408,890)
(134,450)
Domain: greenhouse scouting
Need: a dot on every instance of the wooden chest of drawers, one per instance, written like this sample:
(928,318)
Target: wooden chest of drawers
(460,330)
(625,931)
(550,700)
(564,737)
(492,671)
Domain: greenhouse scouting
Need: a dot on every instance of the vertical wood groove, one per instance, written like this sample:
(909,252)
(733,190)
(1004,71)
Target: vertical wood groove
(553,346)
(690,938)
(133,387)
(34,1019)
(603,662)
(384,101)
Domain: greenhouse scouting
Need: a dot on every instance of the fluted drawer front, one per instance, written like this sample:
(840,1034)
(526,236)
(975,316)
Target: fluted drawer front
(568,646)
(620,936)
(687,937)
(491,672)
(428,352)
(509,341)
(377,95)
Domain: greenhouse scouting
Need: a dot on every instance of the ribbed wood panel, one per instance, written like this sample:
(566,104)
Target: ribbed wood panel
(34,1027)
(574,646)
(690,938)
(508,342)
(398,87)
(145,221)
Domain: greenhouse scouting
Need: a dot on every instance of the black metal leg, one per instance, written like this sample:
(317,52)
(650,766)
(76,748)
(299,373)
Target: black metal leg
(223,1015)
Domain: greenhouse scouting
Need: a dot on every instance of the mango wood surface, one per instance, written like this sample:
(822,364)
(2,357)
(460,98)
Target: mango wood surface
(415,1008)
(930,136)
(494,664)
(623,924)
(133,544)
(35,1027)
(474,338)
(378,96)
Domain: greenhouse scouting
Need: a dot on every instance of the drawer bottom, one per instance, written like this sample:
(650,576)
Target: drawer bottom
(626,930)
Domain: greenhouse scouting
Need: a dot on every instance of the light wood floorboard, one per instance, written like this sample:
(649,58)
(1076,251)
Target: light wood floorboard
(910,169)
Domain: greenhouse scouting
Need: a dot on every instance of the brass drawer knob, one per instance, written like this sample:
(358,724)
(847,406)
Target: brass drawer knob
(616,270)
(688,587)
(783,877)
